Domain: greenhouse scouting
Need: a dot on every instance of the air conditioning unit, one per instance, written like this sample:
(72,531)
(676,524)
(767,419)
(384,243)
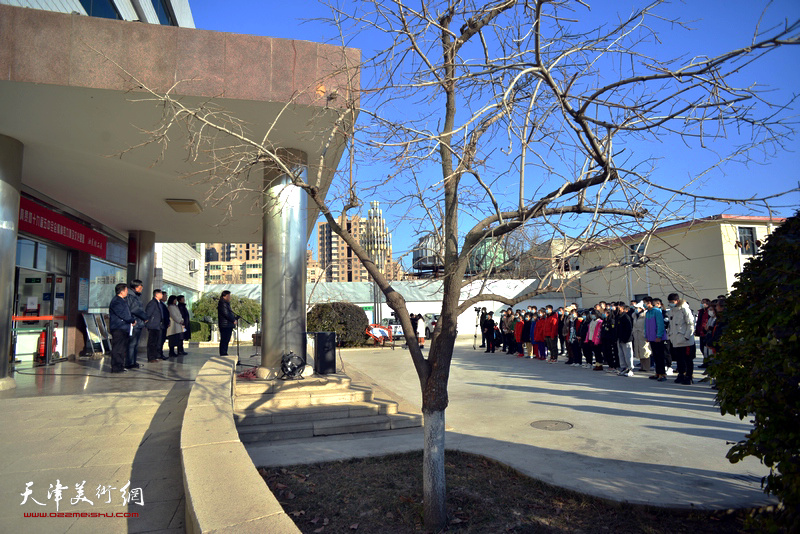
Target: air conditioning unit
(193,266)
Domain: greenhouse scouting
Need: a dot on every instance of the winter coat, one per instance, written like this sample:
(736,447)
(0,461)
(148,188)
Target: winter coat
(176,320)
(119,314)
(538,330)
(609,332)
(574,326)
(489,326)
(681,325)
(702,322)
(654,325)
(551,325)
(225,315)
(638,336)
(153,311)
(186,320)
(624,328)
(593,334)
(518,326)
(525,337)
(583,332)
(136,308)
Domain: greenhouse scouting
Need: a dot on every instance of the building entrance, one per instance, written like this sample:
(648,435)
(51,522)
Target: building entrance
(39,317)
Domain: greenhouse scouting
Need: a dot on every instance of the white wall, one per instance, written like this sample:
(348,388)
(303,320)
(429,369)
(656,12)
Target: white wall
(173,260)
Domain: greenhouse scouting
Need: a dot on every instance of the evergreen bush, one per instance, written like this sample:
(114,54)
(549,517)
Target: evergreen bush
(757,369)
(346,319)
(200,331)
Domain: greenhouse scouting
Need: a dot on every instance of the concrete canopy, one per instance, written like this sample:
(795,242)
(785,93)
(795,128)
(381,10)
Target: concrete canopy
(75,111)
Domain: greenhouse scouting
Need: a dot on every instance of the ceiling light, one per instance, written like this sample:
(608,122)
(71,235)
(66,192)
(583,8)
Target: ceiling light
(184,205)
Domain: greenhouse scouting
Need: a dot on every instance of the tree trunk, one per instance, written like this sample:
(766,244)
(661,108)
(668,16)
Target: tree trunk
(433,482)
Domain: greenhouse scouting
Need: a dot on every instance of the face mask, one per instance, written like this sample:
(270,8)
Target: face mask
(711,313)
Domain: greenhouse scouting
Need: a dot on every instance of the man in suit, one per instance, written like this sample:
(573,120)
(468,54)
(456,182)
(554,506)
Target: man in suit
(121,320)
(155,321)
(137,310)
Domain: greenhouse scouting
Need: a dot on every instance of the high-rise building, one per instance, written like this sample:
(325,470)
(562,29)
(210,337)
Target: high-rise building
(336,258)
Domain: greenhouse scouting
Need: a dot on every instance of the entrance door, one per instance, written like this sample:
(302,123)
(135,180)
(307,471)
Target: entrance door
(39,307)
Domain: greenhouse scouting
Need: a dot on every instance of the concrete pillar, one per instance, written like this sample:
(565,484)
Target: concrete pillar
(10,183)
(283,265)
(144,266)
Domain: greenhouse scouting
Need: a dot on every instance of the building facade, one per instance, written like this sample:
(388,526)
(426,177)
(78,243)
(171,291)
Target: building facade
(697,259)
(165,12)
(76,222)
(179,269)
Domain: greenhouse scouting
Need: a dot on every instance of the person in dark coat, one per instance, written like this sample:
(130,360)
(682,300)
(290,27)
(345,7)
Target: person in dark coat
(187,335)
(227,321)
(120,320)
(137,310)
(164,324)
(480,323)
(625,339)
(155,319)
(489,328)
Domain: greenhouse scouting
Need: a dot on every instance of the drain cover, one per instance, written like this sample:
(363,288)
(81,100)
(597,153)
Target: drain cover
(551,425)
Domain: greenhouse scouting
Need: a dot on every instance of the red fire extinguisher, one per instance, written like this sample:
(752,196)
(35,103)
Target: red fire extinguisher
(40,354)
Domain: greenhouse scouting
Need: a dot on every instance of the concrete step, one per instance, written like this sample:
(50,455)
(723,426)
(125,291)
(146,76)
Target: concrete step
(314,413)
(309,429)
(301,397)
(260,387)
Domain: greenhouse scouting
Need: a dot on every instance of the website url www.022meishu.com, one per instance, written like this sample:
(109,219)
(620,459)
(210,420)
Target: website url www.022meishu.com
(81,514)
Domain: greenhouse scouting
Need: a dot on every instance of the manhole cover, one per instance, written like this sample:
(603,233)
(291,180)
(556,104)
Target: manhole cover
(551,425)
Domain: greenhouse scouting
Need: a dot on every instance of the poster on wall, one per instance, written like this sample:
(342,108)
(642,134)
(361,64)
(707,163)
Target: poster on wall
(83,295)
(94,338)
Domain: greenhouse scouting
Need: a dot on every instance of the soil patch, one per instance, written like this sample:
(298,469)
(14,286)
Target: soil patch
(384,495)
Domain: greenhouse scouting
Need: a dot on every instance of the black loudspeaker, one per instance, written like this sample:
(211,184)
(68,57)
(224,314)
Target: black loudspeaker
(325,353)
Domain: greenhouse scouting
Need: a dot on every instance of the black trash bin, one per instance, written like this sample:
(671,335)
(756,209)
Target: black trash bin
(325,353)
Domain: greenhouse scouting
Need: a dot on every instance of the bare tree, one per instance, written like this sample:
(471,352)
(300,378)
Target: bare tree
(525,113)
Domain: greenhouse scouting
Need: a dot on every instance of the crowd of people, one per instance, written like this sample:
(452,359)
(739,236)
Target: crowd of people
(128,318)
(611,335)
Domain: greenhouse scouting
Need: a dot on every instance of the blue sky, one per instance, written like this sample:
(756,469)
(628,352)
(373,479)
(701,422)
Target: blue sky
(720,26)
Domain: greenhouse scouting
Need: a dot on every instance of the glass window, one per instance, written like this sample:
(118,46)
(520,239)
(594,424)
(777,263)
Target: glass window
(101,8)
(26,252)
(102,279)
(747,243)
(164,14)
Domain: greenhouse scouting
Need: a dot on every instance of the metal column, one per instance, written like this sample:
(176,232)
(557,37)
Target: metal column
(10,183)
(283,264)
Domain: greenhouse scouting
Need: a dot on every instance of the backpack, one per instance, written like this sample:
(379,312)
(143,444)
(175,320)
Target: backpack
(292,367)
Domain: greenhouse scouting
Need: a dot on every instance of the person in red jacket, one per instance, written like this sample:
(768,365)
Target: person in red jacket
(538,335)
(551,333)
(519,325)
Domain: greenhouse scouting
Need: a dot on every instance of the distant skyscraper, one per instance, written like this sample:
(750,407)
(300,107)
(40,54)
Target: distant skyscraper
(336,258)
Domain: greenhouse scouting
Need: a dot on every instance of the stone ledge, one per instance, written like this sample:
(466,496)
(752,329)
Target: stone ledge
(223,490)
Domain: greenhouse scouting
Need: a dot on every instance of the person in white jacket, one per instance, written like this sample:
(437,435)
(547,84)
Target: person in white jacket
(175,329)
(641,348)
(681,337)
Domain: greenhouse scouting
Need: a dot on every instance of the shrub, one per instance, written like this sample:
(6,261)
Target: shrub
(346,319)
(200,331)
(757,368)
(206,306)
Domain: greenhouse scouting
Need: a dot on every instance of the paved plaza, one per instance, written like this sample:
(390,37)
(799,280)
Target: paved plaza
(630,439)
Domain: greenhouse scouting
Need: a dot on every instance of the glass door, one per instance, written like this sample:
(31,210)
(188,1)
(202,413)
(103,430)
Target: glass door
(39,307)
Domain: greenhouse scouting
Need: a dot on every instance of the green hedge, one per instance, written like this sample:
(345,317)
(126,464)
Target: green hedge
(346,319)
(757,368)
(200,331)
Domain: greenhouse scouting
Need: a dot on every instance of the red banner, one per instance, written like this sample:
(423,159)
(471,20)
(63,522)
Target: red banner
(42,222)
